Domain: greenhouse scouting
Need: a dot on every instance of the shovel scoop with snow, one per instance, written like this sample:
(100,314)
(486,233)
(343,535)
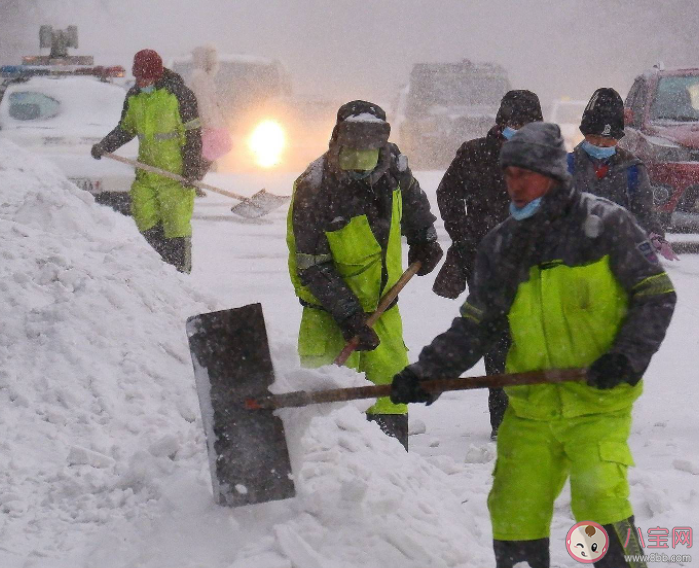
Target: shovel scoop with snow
(247,448)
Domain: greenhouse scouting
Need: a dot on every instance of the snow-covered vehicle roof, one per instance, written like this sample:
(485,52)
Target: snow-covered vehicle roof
(62,117)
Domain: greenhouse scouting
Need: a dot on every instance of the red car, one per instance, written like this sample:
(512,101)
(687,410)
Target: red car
(662,129)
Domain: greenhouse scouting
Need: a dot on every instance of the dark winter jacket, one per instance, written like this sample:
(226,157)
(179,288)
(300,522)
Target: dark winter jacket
(576,280)
(326,199)
(625,183)
(186,106)
(472,196)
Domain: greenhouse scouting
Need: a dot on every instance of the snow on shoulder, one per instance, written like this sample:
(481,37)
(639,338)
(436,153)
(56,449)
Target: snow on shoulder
(103,456)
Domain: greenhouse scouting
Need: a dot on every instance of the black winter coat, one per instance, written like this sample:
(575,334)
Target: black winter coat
(472,199)
(615,185)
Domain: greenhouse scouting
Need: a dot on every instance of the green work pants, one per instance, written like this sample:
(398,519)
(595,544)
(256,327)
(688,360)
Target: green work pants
(320,342)
(159,201)
(534,459)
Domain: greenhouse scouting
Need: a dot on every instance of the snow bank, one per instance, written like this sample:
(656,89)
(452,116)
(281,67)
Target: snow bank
(103,460)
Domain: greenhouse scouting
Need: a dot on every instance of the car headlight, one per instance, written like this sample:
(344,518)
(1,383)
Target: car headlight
(267,143)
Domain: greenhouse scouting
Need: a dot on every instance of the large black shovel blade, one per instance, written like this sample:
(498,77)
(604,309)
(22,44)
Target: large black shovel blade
(248,455)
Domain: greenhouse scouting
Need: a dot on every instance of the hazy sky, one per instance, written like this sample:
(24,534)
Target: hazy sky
(364,48)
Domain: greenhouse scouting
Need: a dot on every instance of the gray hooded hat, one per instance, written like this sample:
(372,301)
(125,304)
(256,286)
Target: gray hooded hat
(539,147)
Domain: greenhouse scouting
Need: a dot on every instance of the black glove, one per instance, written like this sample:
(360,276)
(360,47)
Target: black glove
(610,370)
(406,388)
(429,254)
(355,326)
(453,276)
(97,151)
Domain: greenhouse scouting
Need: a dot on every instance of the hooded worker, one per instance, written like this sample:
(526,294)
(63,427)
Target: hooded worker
(215,136)
(599,166)
(472,198)
(349,210)
(162,112)
(580,287)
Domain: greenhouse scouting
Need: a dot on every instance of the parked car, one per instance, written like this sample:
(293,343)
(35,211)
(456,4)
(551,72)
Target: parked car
(567,114)
(662,128)
(59,106)
(445,104)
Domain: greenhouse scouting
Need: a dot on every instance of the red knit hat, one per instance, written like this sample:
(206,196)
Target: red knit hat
(147,64)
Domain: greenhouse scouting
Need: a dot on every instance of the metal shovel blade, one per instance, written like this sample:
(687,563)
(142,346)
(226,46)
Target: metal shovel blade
(259,204)
(247,449)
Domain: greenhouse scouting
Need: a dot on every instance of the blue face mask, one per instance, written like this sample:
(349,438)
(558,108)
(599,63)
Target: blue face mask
(148,89)
(508,132)
(598,152)
(527,211)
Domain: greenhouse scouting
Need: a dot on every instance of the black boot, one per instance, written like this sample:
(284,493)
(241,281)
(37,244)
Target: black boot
(178,252)
(618,534)
(394,425)
(510,552)
(155,238)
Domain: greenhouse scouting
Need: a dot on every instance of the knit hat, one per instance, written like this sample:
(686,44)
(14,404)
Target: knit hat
(519,107)
(361,125)
(147,64)
(604,115)
(539,147)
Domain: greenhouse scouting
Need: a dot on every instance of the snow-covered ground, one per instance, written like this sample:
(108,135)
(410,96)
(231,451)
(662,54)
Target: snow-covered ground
(102,458)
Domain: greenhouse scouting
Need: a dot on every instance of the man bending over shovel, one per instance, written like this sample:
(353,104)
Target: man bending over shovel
(581,286)
(347,215)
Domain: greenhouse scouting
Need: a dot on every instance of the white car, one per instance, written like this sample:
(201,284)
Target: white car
(61,117)
(568,115)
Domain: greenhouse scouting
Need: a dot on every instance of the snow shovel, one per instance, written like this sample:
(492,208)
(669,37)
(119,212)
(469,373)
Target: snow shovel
(384,304)
(254,207)
(248,454)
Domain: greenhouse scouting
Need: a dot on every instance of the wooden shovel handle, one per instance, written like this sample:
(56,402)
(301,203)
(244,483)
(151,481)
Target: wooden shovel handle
(304,398)
(384,304)
(170,175)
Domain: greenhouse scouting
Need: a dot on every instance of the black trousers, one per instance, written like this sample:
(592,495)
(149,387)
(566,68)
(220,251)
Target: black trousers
(176,251)
(497,399)
(394,425)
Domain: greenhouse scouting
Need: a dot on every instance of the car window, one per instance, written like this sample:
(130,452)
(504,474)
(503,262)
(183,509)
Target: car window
(677,99)
(27,105)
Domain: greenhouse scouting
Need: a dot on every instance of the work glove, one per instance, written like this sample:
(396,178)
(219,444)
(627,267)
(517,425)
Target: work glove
(97,151)
(355,326)
(453,276)
(610,370)
(406,388)
(428,254)
(663,247)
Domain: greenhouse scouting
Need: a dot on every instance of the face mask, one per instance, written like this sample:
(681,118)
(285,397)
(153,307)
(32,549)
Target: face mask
(598,152)
(148,89)
(527,211)
(353,159)
(508,132)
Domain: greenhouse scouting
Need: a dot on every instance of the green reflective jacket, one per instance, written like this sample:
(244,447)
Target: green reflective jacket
(368,270)
(577,280)
(167,125)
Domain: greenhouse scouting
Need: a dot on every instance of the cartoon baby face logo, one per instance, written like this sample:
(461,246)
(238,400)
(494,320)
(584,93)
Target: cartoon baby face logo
(587,542)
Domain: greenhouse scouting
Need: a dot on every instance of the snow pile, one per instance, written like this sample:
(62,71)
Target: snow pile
(103,460)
